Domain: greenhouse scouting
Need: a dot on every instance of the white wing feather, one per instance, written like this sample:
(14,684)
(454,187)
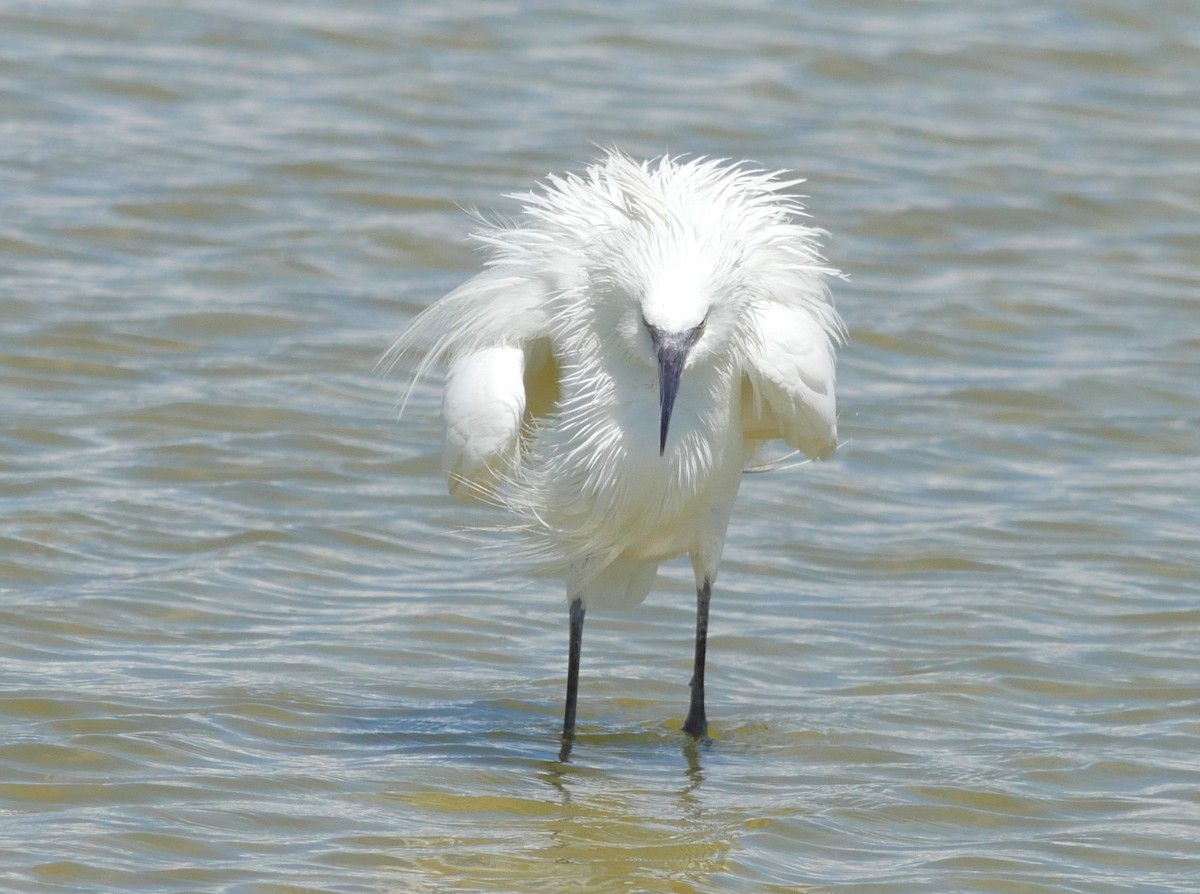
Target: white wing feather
(492,332)
(792,377)
(497,307)
(483,404)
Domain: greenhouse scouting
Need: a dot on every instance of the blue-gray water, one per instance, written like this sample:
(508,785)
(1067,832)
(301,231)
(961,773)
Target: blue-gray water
(242,648)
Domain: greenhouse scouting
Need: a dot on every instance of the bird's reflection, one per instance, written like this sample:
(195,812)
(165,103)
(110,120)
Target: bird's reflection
(564,749)
(693,749)
(557,772)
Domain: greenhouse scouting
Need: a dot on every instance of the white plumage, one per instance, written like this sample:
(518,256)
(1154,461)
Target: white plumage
(639,332)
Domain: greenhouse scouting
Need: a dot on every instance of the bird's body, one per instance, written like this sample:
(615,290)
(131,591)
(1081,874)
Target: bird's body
(639,333)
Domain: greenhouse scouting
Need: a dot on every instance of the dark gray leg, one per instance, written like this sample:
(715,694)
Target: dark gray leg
(696,724)
(573,651)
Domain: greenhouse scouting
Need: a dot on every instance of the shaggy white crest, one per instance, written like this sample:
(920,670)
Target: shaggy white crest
(638,332)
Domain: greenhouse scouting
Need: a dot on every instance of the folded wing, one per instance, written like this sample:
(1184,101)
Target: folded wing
(492,393)
(790,381)
(483,404)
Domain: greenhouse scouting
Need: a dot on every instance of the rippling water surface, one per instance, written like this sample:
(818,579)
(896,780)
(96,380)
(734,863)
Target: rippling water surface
(242,648)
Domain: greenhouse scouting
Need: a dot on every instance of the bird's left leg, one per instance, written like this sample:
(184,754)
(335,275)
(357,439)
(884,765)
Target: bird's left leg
(696,724)
(574,648)
(705,555)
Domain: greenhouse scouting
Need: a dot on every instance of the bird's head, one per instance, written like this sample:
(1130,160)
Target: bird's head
(676,307)
(666,263)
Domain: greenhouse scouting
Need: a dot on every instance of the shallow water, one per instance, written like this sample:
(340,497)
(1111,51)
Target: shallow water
(243,648)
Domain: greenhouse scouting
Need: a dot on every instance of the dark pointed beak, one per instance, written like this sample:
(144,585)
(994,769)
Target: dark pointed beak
(672,349)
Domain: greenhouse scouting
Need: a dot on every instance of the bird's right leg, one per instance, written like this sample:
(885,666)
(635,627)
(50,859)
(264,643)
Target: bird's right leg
(573,651)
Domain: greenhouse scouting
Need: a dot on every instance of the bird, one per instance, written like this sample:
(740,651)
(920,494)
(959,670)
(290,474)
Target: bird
(639,332)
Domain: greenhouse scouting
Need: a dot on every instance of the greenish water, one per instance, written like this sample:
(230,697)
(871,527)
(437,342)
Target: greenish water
(244,643)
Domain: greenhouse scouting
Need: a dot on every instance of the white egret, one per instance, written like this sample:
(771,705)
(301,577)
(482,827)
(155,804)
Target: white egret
(639,332)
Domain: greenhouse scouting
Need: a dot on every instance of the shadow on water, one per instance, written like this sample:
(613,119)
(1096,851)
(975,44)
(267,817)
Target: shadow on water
(490,731)
(499,731)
